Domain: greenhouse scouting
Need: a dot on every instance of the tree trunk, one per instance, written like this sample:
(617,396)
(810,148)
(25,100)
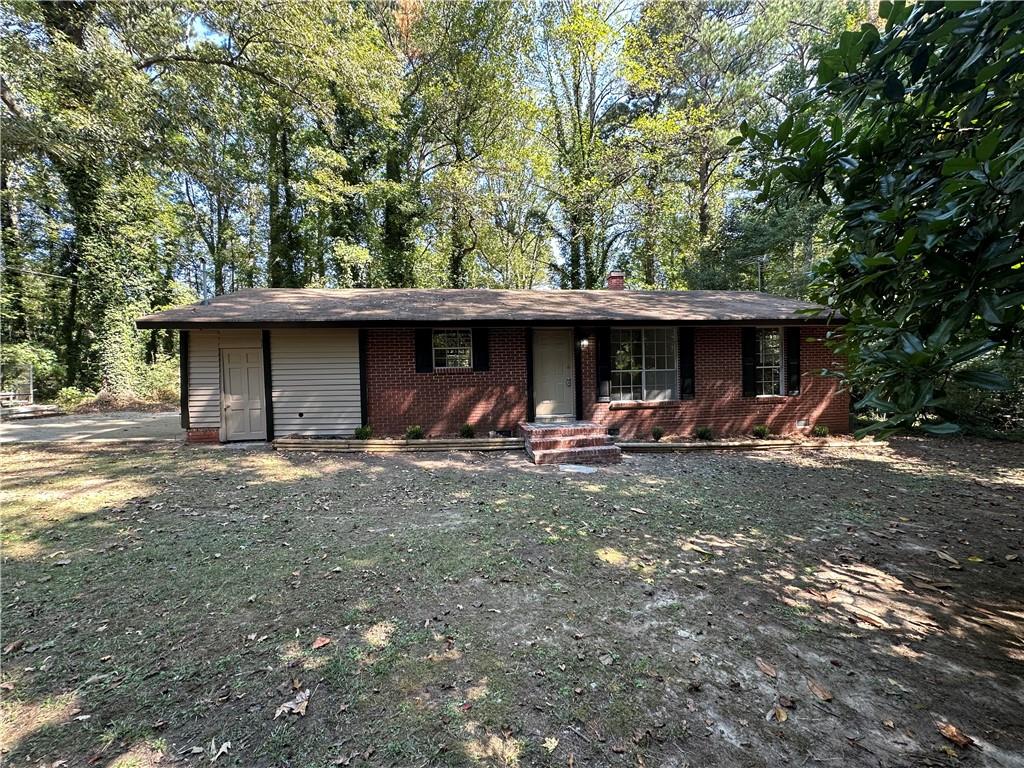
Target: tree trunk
(13,277)
(398,271)
(704,192)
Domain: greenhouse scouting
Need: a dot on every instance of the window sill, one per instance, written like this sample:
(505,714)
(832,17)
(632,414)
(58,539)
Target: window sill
(640,405)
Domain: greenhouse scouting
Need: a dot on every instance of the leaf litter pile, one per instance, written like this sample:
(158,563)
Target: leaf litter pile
(178,605)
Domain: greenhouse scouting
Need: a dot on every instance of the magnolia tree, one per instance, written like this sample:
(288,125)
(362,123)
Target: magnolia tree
(917,135)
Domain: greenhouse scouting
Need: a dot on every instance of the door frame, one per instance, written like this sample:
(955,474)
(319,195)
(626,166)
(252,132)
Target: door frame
(223,432)
(576,394)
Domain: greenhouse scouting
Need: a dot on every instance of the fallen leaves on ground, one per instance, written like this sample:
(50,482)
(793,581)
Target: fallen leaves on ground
(818,689)
(954,563)
(765,667)
(954,734)
(320,642)
(216,751)
(550,743)
(295,706)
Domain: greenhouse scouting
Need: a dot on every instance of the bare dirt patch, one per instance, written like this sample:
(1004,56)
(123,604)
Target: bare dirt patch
(833,608)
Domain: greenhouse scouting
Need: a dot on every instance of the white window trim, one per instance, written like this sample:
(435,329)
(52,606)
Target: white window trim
(643,371)
(782,360)
(434,348)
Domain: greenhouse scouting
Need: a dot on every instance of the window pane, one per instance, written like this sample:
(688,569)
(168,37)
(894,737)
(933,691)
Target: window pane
(769,362)
(453,349)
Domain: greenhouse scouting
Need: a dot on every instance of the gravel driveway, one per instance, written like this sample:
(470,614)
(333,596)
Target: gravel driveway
(119,426)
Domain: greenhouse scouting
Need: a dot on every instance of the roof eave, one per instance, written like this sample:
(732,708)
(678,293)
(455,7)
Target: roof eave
(154,323)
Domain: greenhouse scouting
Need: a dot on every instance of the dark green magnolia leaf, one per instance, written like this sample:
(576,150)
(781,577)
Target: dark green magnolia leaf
(784,128)
(941,427)
(919,63)
(986,146)
(987,306)
(956,165)
(910,344)
(991,381)
(893,88)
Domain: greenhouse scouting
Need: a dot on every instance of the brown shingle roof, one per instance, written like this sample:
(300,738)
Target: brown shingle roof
(270,307)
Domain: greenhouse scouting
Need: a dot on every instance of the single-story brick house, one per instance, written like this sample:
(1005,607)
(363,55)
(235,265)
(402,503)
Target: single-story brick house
(262,363)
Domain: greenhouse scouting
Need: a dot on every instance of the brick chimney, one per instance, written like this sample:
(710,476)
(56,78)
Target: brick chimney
(616,280)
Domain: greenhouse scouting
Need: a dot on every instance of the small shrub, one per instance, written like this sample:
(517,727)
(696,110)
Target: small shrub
(820,430)
(467,431)
(364,432)
(657,433)
(69,398)
(761,431)
(704,433)
(414,432)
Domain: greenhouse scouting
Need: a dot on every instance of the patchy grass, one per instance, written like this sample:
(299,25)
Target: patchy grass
(161,601)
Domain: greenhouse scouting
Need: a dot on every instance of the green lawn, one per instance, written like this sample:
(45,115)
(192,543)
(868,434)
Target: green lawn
(159,602)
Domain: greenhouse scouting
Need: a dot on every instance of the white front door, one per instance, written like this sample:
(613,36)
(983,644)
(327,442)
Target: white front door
(244,416)
(553,379)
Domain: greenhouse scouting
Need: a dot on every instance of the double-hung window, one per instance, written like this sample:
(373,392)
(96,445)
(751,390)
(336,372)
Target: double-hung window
(768,365)
(453,349)
(644,364)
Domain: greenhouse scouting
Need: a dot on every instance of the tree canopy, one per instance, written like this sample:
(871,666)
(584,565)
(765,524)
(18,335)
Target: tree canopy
(158,152)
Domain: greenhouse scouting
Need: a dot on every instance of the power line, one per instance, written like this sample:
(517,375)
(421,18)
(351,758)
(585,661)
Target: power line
(40,274)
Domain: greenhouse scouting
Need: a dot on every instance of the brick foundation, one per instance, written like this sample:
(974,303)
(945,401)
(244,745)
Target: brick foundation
(202,435)
(442,401)
(719,402)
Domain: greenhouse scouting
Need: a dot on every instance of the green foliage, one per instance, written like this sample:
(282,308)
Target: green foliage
(69,398)
(985,411)
(761,431)
(916,132)
(47,373)
(365,432)
(704,433)
(121,353)
(467,431)
(657,433)
(819,430)
(159,382)
(414,432)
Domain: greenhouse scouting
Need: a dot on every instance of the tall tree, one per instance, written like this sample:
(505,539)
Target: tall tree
(582,110)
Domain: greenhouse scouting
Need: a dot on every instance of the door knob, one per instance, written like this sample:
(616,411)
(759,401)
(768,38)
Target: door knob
(568,383)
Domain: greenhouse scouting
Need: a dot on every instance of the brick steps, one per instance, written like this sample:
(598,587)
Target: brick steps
(580,441)
(599,454)
(575,443)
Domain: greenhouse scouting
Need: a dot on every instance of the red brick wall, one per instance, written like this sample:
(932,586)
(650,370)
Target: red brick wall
(202,435)
(443,401)
(719,401)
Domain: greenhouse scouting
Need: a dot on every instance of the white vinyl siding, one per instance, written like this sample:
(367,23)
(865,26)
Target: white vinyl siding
(315,372)
(204,371)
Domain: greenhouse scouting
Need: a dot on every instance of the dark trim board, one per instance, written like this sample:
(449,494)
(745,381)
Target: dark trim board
(364,392)
(183,373)
(497,323)
(268,386)
(578,334)
(530,408)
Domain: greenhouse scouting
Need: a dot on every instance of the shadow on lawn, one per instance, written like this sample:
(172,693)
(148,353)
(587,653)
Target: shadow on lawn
(142,630)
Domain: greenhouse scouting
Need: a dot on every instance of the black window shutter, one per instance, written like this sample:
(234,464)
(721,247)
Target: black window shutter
(748,347)
(687,385)
(603,342)
(481,349)
(792,351)
(424,350)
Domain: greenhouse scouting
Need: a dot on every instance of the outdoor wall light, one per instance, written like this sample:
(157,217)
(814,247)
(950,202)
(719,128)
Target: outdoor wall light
(584,343)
